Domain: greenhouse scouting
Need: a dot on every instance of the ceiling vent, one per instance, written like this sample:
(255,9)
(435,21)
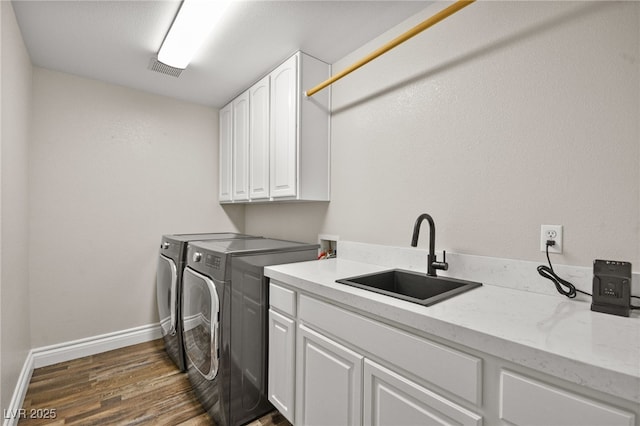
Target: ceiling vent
(158,66)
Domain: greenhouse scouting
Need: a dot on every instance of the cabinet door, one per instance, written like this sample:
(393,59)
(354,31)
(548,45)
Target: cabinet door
(259,140)
(282,335)
(391,399)
(241,147)
(524,401)
(284,129)
(329,382)
(226,140)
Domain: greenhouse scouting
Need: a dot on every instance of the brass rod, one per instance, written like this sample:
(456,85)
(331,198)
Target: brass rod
(444,13)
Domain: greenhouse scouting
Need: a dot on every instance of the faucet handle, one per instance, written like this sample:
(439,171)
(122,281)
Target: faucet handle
(441,265)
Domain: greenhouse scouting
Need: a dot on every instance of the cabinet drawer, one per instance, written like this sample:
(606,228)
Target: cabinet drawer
(282,299)
(447,368)
(524,401)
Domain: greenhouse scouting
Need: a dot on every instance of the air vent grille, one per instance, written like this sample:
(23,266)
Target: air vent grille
(158,66)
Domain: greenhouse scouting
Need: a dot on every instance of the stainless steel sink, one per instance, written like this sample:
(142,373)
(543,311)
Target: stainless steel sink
(411,286)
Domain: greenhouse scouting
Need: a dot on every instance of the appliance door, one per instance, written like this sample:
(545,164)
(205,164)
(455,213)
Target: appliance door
(200,319)
(166,283)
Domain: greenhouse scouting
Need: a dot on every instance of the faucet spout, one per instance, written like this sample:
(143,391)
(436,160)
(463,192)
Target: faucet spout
(432,264)
(416,230)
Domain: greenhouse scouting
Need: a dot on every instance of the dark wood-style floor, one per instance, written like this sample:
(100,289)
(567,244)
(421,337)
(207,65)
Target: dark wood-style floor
(136,385)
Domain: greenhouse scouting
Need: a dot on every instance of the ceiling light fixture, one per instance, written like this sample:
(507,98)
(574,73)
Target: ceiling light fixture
(194,21)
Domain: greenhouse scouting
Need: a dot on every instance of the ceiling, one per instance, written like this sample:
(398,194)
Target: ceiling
(115,41)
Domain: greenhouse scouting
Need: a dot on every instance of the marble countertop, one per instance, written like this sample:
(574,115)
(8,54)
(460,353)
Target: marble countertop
(553,335)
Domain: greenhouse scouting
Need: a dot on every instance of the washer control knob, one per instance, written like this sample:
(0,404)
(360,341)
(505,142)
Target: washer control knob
(164,246)
(197,257)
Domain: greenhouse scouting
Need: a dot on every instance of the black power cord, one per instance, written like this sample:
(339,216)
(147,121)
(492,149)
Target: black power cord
(571,290)
(548,273)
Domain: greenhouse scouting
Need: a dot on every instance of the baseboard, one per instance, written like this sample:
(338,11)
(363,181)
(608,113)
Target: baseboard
(11,415)
(49,355)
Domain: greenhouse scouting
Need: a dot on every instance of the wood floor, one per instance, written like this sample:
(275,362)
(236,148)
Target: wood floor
(136,385)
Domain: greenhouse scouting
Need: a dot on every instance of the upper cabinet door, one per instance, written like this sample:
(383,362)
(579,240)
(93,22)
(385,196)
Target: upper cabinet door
(241,147)
(259,140)
(284,129)
(226,140)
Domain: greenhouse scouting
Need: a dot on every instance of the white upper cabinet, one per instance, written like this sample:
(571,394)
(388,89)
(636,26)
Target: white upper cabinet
(259,140)
(284,131)
(226,140)
(240,152)
(288,136)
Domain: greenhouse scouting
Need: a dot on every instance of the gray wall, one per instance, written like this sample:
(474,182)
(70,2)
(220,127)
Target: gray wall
(112,169)
(15,120)
(505,116)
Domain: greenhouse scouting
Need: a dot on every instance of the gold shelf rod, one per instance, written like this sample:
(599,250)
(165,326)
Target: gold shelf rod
(444,13)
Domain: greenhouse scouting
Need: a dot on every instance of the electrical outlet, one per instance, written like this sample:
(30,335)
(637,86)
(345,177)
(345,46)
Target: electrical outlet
(551,232)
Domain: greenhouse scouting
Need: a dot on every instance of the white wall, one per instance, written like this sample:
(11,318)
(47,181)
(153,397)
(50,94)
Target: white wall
(505,116)
(112,169)
(15,120)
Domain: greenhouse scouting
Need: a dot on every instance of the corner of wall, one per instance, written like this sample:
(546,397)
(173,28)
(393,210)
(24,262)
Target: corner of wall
(15,122)
(1,19)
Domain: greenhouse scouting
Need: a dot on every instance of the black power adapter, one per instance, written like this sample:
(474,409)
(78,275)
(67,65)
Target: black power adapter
(611,287)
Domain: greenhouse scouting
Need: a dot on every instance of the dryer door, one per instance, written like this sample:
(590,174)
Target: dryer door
(166,282)
(200,319)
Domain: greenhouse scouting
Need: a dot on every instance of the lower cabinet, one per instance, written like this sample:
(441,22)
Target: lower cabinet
(329,381)
(282,344)
(319,376)
(332,366)
(525,401)
(337,386)
(393,400)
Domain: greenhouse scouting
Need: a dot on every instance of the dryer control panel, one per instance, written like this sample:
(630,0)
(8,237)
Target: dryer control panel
(213,261)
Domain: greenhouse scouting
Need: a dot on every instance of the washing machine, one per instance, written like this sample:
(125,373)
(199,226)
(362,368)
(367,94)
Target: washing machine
(224,312)
(171,263)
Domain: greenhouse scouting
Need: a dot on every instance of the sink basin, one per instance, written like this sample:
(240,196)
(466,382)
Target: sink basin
(411,286)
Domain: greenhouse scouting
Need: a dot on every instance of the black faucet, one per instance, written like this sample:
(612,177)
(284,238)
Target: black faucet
(432,263)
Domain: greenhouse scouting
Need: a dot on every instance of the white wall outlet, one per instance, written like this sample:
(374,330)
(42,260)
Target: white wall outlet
(551,232)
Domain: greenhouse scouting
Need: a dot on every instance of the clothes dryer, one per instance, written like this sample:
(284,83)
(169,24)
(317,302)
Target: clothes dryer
(171,263)
(225,317)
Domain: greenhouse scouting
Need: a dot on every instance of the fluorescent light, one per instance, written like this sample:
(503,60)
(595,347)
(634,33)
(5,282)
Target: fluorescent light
(195,20)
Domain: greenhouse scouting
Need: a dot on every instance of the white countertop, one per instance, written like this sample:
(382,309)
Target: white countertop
(553,335)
